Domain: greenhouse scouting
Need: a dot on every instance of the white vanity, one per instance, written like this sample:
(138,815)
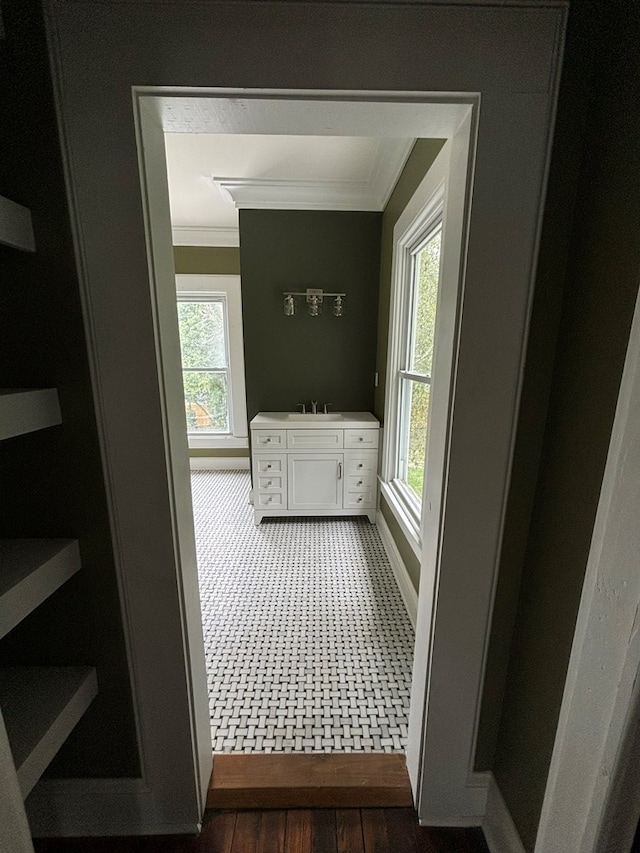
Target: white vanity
(314,464)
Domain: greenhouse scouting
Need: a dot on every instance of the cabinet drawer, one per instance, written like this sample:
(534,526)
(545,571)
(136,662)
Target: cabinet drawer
(269,500)
(270,464)
(270,482)
(361,498)
(360,482)
(267,439)
(361,463)
(361,437)
(314,439)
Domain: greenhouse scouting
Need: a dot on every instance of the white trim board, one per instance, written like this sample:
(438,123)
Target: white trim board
(209,235)
(499,829)
(400,573)
(601,701)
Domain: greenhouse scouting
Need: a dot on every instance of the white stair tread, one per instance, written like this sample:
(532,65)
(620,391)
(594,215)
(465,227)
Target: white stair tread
(41,706)
(23,411)
(30,571)
(16,227)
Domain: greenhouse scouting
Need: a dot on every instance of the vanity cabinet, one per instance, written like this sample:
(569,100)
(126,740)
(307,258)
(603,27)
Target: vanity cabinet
(308,465)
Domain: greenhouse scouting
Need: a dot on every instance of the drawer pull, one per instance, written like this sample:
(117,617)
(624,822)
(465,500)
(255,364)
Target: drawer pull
(360,438)
(269,465)
(359,482)
(360,465)
(360,499)
(268,500)
(339,470)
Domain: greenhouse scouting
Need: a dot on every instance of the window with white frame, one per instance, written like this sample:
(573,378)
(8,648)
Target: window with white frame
(414,371)
(205,363)
(415,288)
(210,328)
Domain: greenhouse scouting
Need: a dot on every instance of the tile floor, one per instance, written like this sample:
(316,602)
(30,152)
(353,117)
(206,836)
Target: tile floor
(308,645)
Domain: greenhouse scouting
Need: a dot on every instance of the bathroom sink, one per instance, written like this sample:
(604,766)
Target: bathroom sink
(309,416)
(291,420)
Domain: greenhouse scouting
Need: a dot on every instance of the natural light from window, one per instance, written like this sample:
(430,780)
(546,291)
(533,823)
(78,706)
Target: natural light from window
(205,364)
(415,375)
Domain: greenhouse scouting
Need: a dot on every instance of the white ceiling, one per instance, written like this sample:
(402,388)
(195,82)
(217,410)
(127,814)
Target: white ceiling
(274,171)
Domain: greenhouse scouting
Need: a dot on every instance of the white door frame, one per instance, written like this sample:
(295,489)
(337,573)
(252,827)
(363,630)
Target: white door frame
(592,798)
(218,43)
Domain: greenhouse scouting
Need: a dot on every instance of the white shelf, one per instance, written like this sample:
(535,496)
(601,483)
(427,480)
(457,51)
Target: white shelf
(23,411)
(16,227)
(30,571)
(41,706)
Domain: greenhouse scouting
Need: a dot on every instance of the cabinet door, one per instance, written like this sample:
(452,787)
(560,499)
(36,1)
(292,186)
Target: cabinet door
(315,481)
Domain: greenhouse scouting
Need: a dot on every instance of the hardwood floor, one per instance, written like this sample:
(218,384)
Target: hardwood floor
(309,781)
(391,830)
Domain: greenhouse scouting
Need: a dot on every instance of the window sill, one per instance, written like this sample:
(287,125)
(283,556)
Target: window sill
(407,522)
(214,442)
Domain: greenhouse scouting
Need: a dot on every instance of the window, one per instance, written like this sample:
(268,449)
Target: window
(205,363)
(210,326)
(412,341)
(414,374)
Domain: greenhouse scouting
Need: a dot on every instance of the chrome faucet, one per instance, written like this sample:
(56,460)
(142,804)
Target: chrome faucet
(314,407)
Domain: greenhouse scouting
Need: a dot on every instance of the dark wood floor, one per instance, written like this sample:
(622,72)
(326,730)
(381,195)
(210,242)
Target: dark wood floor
(391,830)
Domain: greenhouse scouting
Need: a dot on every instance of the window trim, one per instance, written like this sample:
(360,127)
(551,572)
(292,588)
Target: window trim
(420,219)
(226,287)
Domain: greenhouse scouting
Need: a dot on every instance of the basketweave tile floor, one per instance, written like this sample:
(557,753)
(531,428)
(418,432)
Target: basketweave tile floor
(308,645)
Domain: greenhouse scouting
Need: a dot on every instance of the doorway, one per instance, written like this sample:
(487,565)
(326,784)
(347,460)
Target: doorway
(269,113)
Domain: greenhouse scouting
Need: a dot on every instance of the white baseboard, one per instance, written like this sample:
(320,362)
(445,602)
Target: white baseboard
(60,808)
(400,573)
(498,826)
(219,463)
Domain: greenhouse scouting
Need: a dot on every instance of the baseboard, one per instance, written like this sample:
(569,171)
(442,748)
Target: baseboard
(219,463)
(400,573)
(61,808)
(498,826)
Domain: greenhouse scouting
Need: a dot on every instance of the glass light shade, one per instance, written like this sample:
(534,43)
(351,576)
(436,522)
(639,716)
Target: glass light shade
(315,306)
(338,306)
(289,305)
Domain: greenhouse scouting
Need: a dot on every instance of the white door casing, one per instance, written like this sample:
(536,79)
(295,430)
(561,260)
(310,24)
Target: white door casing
(455,54)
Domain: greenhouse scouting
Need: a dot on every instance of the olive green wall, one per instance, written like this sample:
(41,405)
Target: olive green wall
(295,359)
(423,154)
(51,482)
(586,290)
(207,260)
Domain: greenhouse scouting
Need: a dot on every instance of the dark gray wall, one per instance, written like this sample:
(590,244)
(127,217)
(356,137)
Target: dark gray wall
(591,247)
(294,359)
(51,482)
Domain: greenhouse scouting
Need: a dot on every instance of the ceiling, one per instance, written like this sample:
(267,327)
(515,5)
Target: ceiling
(212,175)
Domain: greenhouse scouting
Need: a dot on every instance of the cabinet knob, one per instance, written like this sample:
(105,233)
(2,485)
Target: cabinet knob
(360,438)
(268,482)
(267,440)
(360,499)
(269,465)
(359,482)
(359,464)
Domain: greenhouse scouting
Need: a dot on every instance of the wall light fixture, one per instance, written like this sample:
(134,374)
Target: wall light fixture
(314,298)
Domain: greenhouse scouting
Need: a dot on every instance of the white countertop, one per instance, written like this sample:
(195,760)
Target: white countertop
(295,420)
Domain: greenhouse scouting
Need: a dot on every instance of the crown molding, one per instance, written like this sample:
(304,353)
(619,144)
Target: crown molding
(294,194)
(206,235)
